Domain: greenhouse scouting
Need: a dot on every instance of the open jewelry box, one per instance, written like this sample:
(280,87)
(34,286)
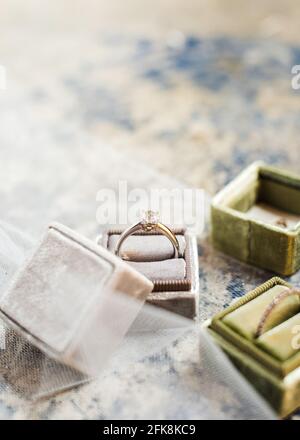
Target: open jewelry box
(256,219)
(73,300)
(69,307)
(271,361)
(175,280)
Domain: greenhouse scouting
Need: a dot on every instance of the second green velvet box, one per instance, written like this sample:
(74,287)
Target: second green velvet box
(270,360)
(256,219)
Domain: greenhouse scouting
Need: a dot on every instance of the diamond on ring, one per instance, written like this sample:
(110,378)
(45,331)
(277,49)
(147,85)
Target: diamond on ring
(150,220)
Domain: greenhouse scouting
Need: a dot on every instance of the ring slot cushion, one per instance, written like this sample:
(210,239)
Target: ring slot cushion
(151,248)
(277,340)
(175,280)
(271,362)
(245,319)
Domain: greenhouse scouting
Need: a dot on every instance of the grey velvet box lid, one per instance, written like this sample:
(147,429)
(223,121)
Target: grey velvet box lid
(67,282)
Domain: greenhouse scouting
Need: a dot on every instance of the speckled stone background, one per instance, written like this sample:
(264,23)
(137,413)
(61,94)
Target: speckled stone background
(153,92)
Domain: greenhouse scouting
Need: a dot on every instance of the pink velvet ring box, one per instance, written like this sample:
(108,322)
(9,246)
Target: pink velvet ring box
(175,280)
(69,291)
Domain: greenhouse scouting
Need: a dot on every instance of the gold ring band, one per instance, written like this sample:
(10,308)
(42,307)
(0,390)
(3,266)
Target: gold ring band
(278,299)
(149,224)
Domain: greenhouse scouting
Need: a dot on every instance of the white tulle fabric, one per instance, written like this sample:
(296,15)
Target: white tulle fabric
(187,370)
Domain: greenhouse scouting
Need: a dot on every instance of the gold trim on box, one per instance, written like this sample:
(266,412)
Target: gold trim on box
(277,367)
(284,377)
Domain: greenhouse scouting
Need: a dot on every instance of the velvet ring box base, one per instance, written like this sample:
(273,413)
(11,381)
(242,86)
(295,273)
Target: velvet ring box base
(271,362)
(256,219)
(175,280)
(69,290)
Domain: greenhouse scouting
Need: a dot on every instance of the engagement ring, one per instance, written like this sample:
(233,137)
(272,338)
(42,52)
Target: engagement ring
(150,223)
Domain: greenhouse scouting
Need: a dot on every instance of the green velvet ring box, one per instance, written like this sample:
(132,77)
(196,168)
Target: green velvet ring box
(271,361)
(256,219)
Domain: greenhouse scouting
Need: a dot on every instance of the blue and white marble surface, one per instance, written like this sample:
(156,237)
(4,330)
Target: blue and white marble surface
(97,93)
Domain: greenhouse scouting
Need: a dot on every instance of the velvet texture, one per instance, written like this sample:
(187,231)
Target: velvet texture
(245,319)
(256,241)
(269,362)
(152,255)
(176,281)
(270,215)
(65,281)
(174,269)
(279,340)
(144,248)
